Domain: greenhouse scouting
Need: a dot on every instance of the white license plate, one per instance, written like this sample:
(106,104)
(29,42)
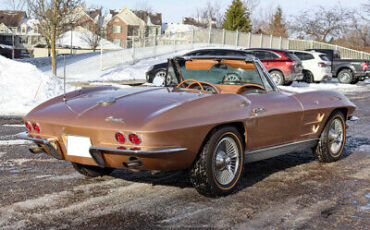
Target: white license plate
(78,146)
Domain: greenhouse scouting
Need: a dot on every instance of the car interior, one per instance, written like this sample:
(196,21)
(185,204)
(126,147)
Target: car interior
(221,76)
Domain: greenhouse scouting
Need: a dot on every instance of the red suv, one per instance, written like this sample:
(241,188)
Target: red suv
(284,67)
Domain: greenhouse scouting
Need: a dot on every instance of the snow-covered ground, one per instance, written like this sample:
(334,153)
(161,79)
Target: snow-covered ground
(333,85)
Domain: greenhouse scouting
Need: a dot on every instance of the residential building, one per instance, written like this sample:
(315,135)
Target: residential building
(18,30)
(128,26)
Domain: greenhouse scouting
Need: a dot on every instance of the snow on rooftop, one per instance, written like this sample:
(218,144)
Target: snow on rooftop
(23,87)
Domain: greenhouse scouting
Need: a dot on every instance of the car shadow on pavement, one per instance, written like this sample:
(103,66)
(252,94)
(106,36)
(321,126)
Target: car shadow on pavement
(253,172)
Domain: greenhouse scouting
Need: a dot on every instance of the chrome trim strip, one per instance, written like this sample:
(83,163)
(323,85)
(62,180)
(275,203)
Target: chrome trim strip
(24,136)
(269,152)
(47,142)
(137,152)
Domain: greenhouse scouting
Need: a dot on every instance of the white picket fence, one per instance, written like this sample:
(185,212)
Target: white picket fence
(171,43)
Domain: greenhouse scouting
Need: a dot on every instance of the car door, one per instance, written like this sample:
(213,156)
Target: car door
(274,117)
(264,57)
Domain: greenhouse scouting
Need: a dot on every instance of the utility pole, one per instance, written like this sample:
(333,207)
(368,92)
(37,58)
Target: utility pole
(71,26)
(13,43)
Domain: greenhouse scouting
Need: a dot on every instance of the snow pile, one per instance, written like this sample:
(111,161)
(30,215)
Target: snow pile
(170,28)
(334,85)
(23,86)
(81,38)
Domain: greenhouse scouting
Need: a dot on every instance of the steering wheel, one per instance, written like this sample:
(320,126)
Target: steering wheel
(181,85)
(245,88)
(206,87)
(231,78)
(201,84)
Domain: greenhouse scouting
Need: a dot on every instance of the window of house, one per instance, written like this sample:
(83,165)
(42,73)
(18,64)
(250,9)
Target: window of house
(23,40)
(24,29)
(133,31)
(117,29)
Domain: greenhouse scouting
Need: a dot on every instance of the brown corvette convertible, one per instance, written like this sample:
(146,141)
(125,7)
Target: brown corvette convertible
(214,115)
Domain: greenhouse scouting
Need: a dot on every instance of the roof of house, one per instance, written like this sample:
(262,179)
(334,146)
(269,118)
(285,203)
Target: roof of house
(129,17)
(149,18)
(93,13)
(12,18)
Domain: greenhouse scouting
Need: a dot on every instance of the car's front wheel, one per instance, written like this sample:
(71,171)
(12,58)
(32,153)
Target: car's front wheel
(91,171)
(218,168)
(332,139)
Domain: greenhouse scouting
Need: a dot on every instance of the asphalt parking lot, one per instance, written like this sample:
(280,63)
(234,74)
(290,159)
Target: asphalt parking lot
(288,192)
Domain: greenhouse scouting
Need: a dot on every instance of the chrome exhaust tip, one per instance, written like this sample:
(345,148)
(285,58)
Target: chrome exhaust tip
(133,162)
(35,149)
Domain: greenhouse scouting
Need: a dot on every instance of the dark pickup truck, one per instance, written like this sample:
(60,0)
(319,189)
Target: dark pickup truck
(348,71)
(5,51)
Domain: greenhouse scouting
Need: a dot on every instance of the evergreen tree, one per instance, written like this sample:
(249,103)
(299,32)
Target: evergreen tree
(277,27)
(237,17)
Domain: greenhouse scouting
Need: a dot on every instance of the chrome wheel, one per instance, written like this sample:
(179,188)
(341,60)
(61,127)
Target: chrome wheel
(159,78)
(345,77)
(227,160)
(336,136)
(276,77)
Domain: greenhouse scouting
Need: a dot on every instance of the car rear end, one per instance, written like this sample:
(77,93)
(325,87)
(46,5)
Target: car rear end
(295,68)
(324,66)
(365,66)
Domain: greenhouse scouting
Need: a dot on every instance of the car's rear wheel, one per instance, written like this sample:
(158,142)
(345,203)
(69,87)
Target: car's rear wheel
(218,168)
(345,76)
(159,77)
(308,76)
(277,77)
(91,171)
(332,139)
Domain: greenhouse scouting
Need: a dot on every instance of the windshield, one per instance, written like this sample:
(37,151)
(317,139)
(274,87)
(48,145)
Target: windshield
(292,56)
(225,72)
(324,57)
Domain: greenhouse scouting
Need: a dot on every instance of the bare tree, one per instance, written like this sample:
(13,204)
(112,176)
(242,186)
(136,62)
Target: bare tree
(15,4)
(94,37)
(212,10)
(323,24)
(144,5)
(53,16)
(251,5)
(359,32)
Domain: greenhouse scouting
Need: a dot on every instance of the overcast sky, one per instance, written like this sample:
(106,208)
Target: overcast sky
(175,10)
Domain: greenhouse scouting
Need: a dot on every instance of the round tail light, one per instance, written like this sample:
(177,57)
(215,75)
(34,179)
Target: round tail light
(36,127)
(120,138)
(28,126)
(134,139)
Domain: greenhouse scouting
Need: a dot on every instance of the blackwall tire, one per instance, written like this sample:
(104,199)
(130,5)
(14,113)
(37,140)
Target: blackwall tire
(332,139)
(219,165)
(91,171)
(308,77)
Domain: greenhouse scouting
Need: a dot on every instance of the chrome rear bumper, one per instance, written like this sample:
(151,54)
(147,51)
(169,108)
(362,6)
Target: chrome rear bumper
(50,144)
(96,153)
